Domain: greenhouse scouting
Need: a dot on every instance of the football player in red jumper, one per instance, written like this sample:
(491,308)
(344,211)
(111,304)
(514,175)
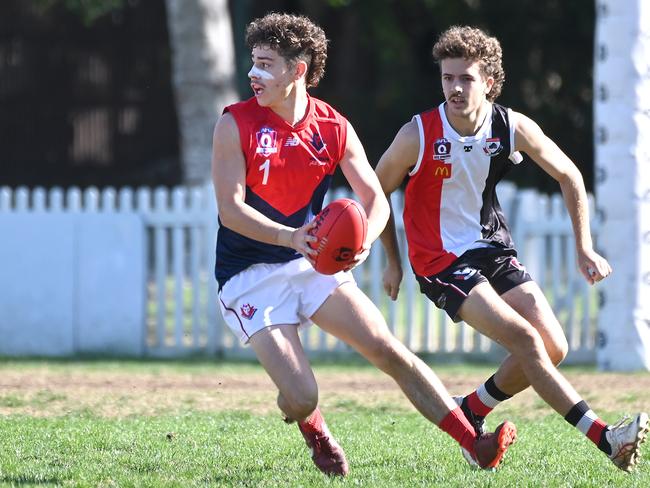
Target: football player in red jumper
(273,158)
(459,244)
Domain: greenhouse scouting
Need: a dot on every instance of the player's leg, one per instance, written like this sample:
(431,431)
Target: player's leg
(528,301)
(352,317)
(280,352)
(257,304)
(509,279)
(488,313)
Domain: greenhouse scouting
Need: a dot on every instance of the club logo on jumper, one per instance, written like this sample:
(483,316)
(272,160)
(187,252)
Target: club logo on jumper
(464,274)
(467,148)
(441,149)
(492,146)
(266,141)
(291,141)
(247,311)
(442,170)
(317,142)
(343,254)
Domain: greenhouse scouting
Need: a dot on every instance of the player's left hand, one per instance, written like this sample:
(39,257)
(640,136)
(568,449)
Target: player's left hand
(593,266)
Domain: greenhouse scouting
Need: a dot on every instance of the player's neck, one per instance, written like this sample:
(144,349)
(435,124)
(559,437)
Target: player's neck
(294,107)
(468,124)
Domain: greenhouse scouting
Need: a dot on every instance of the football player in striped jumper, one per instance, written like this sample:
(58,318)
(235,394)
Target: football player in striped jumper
(459,244)
(273,158)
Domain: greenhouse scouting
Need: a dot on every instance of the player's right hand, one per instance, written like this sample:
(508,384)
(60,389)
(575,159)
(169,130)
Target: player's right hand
(392,279)
(300,239)
(593,266)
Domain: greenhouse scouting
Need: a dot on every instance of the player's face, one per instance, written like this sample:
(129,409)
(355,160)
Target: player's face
(463,85)
(271,78)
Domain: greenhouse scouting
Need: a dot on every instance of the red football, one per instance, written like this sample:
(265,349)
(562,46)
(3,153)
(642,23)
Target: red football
(341,230)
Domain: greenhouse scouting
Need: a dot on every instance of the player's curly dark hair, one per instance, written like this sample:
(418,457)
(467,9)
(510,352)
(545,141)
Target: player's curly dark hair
(473,44)
(294,37)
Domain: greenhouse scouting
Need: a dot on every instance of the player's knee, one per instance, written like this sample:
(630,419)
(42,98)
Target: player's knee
(558,350)
(527,344)
(303,407)
(299,403)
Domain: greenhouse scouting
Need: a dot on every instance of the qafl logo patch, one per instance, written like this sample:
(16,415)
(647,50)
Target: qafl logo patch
(266,141)
(247,311)
(441,149)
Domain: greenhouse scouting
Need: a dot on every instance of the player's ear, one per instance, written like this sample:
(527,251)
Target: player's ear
(489,82)
(300,70)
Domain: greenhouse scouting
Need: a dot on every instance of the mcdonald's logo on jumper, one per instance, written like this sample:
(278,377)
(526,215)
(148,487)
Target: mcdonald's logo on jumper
(443,170)
(441,149)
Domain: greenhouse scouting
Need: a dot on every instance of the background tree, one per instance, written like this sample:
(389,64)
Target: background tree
(203,68)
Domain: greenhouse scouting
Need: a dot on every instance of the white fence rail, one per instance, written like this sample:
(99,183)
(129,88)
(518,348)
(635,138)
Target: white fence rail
(178,291)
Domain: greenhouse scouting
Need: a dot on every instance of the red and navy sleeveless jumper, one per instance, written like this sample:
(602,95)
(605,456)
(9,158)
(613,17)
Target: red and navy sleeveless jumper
(288,172)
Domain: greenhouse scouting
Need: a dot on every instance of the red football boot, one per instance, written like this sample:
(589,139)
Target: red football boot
(490,448)
(326,453)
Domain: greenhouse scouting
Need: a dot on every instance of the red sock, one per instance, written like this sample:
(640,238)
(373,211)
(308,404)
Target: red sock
(595,431)
(456,425)
(476,405)
(314,423)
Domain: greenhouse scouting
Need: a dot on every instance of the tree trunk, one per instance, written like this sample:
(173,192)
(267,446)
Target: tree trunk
(203,74)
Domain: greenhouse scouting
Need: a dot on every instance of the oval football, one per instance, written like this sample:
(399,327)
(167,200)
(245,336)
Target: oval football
(341,230)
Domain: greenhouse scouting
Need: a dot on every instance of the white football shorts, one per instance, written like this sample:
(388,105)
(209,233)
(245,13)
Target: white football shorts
(263,295)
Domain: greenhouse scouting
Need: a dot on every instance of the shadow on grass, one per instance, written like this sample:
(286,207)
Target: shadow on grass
(22,480)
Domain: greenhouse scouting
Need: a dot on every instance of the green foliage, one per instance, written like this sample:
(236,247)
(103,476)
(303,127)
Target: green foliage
(88,10)
(339,3)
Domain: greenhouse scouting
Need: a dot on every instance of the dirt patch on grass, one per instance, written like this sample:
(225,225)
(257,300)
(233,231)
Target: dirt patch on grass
(41,392)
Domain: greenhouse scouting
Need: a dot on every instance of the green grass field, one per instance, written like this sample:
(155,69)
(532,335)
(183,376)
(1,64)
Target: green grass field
(197,423)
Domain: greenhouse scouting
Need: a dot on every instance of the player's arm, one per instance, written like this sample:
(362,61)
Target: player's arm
(362,179)
(391,170)
(530,139)
(229,179)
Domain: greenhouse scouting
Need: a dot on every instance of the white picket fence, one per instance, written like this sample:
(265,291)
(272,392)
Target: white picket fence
(181,316)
